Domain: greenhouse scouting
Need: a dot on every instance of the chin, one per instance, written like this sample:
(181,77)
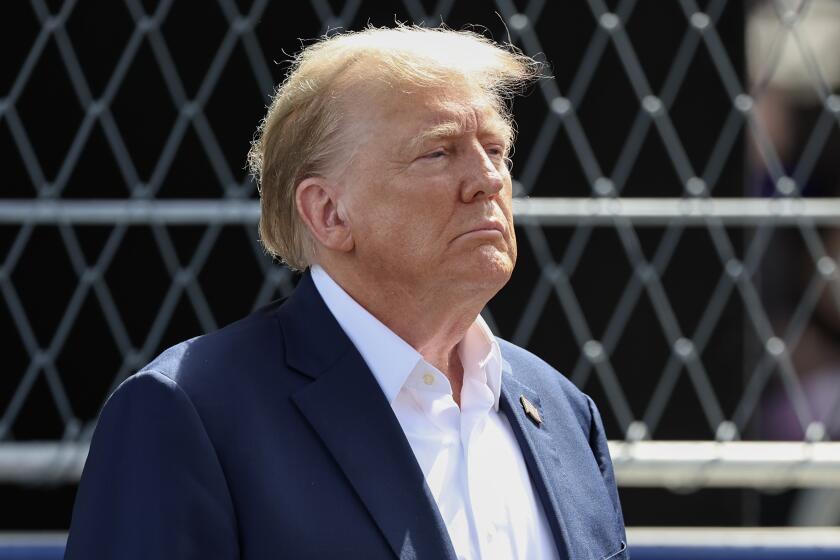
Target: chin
(487,268)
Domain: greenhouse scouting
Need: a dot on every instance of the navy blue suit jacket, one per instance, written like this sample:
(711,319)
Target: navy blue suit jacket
(270,438)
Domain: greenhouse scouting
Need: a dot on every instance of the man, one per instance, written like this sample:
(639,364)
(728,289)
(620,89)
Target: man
(372,414)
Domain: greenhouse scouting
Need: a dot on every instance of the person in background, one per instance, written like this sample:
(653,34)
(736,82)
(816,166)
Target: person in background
(796,85)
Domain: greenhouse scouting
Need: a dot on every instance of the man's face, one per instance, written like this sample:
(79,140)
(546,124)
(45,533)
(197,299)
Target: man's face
(428,191)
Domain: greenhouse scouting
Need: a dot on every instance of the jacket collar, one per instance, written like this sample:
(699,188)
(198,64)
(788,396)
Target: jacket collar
(349,412)
(563,475)
(535,441)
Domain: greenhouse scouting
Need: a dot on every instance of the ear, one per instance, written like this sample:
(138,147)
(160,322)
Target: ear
(318,205)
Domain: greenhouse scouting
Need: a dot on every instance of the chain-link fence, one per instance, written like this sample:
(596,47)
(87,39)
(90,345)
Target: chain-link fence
(677,214)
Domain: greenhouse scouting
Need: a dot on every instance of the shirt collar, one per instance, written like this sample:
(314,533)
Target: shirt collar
(482,357)
(389,357)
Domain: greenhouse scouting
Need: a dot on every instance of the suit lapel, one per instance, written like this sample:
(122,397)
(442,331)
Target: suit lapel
(539,450)
(346,407)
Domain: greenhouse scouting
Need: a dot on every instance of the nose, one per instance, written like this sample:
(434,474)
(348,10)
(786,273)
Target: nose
(482,178)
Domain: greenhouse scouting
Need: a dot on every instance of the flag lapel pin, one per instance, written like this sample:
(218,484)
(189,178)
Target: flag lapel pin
(531,410)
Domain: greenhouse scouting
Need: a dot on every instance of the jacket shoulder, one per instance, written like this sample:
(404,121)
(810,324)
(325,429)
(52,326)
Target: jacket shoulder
(231,345)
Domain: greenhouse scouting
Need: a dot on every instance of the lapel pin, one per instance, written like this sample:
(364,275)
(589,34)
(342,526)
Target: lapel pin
(530,410)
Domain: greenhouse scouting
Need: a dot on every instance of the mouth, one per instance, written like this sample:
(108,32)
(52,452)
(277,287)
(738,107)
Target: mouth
(484,228)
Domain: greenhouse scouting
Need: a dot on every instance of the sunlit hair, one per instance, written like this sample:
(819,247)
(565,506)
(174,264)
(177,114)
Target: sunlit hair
(304,132)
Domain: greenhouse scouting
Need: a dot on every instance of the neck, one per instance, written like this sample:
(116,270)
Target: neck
(431,317)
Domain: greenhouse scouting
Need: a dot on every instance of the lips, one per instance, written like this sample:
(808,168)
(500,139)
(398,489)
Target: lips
(488,226)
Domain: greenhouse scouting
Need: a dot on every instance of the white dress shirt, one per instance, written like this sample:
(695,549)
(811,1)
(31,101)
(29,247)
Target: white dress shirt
(469,456)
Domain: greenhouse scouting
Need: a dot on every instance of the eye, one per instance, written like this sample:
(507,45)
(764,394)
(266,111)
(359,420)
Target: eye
(436,154)
(496,151)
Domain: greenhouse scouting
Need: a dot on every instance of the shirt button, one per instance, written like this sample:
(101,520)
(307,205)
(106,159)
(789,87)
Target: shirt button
(428,379)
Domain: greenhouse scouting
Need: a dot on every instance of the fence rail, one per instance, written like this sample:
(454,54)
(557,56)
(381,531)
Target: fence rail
(645,543)
(742,464)
(672,464)
(543,211)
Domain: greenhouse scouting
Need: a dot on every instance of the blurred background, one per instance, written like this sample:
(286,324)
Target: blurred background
(678,222)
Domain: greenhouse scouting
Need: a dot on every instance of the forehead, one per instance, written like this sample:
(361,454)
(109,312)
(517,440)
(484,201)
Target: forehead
(412,115)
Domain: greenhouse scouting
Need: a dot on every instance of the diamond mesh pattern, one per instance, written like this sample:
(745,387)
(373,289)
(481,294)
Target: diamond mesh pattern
(671,327)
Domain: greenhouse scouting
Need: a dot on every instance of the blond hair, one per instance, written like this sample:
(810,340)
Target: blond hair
(302,133)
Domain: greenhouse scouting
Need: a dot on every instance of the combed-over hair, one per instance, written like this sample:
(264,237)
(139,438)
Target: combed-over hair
(302,133)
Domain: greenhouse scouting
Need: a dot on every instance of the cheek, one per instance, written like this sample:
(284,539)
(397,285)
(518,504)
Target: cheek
(514,249)
(420,215)
(400,229)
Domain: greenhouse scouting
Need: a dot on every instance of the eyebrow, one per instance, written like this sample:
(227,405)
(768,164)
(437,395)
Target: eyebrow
(455,127)
(447,129)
